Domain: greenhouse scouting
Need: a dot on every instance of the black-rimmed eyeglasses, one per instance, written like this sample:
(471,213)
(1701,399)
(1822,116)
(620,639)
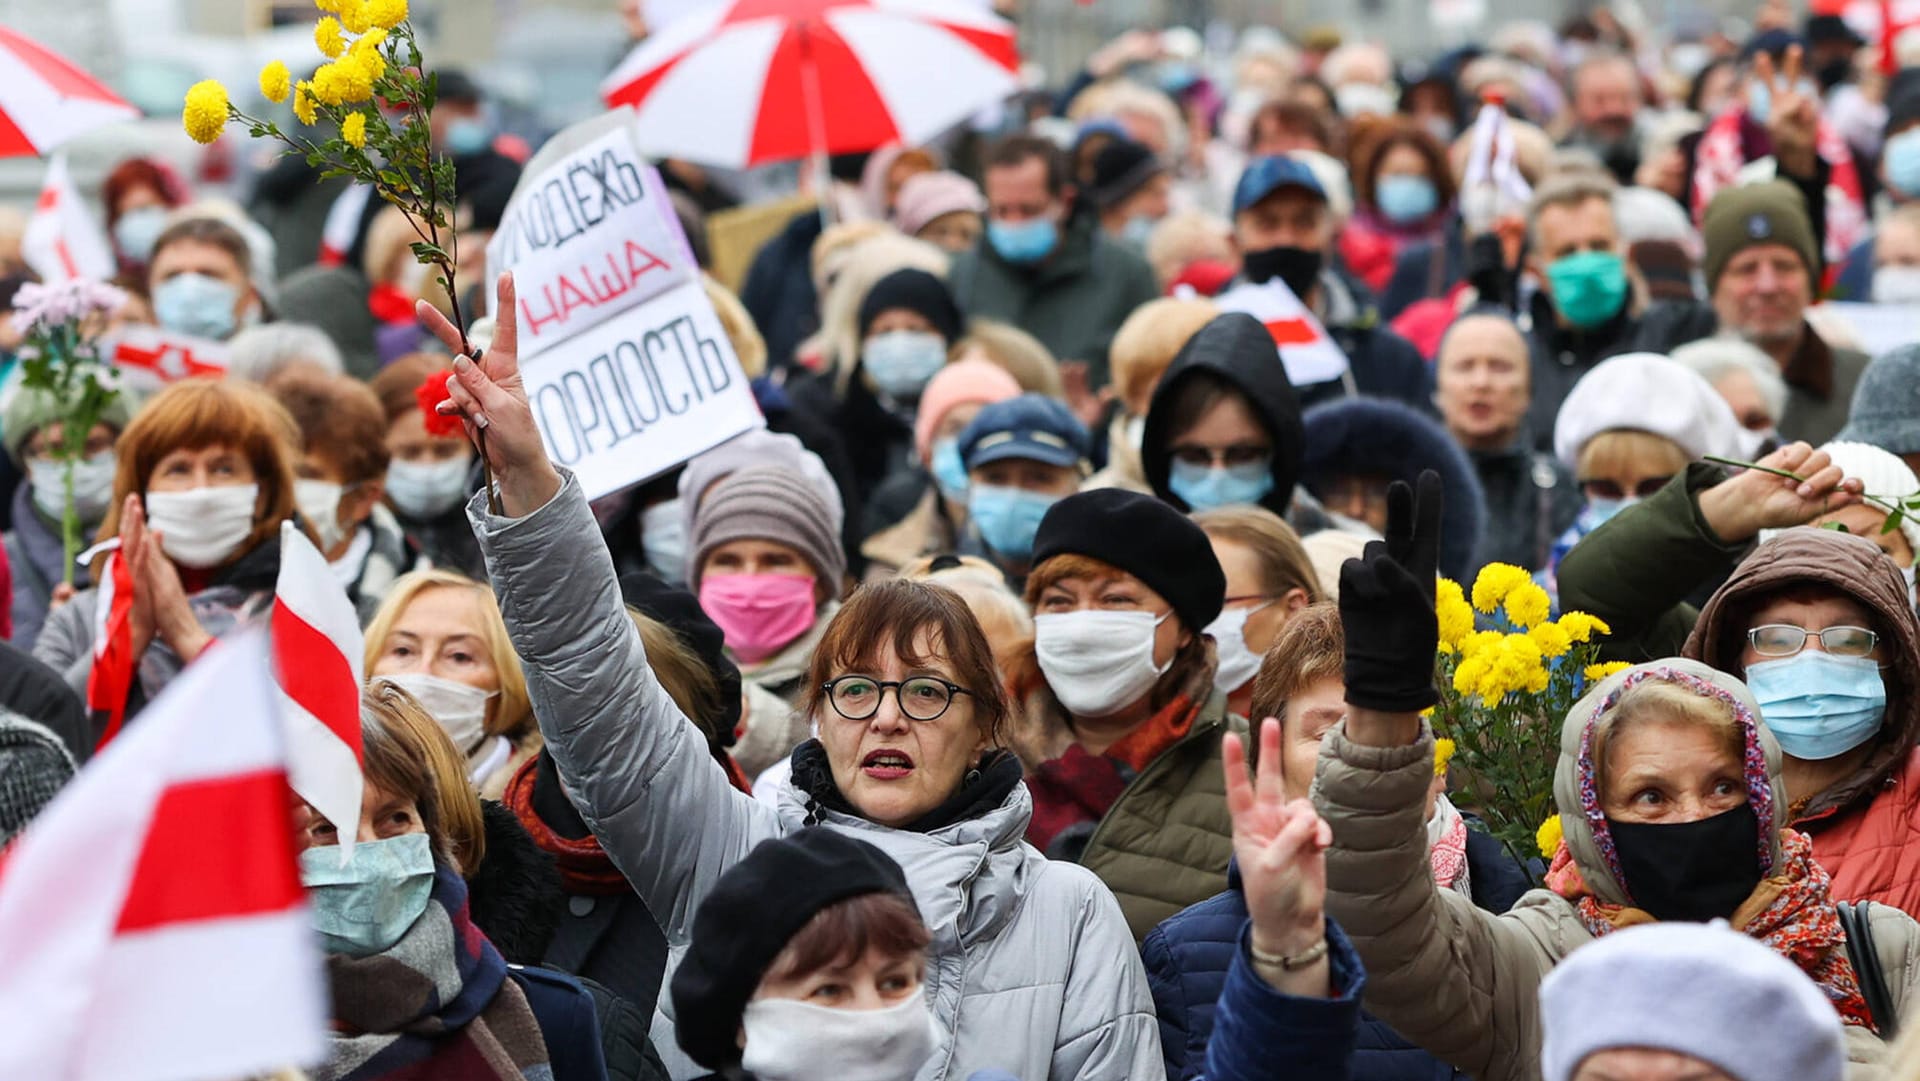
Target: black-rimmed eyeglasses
(922,698)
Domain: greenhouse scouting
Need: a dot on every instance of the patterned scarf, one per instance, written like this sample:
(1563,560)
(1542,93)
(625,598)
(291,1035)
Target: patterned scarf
(1733,139)
(585,868)
(437,1004)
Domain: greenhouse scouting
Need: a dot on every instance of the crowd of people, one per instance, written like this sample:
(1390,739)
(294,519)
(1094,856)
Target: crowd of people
(1041,692)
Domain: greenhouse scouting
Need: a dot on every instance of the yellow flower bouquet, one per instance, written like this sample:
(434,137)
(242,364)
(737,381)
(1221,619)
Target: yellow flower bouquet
(1508,674)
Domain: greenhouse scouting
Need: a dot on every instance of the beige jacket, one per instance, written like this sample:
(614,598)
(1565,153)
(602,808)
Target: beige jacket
(1459,981)
(774,723)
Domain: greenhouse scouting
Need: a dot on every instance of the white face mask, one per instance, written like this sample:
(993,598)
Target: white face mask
(663,537)
(790,1040)
(201,527)
(1097,663)
(427,489)
(319,503)
(1238,661)
(92,486)
(1896,285)
(459,709)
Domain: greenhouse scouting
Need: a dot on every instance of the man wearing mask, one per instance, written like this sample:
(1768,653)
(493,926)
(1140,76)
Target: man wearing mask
(1860,278)
(1044,267)
(1130,190)
(1284,228)
(1605,96)
(1586,310)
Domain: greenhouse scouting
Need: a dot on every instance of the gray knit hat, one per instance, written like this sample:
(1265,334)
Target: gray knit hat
(769,503)
(1886,403)
(34,766)
(27,410)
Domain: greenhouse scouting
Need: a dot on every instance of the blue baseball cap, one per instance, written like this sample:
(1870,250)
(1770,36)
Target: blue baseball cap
(1032,426)
(1264,176)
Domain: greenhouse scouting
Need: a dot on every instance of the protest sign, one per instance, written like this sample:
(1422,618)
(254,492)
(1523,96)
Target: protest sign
(150,357)
(1879,328)
(640,394)
(1309,354)
(588,237)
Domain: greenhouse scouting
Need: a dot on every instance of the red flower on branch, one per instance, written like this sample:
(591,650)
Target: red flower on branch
(430,394)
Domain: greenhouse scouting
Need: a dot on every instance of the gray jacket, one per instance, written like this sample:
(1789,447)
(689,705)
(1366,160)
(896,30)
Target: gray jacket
(1031,970)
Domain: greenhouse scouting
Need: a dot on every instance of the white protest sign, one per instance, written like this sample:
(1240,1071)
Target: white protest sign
(1308,353)
(588,237)
(638,395)
(150,357)
(1879,328)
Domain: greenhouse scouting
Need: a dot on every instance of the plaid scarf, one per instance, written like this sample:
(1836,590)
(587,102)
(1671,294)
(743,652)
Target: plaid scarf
(437,1004)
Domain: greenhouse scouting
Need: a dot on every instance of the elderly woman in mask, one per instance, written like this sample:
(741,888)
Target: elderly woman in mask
(1670,794)
(205,479)
(1041,979)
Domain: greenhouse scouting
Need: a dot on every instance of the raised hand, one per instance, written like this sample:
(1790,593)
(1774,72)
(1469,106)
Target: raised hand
(1281,848)
(1754,499)
(1793,121)
(491,398)
(1386,605)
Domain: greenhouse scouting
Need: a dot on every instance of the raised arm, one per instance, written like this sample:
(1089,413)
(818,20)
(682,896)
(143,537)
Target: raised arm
(638,770)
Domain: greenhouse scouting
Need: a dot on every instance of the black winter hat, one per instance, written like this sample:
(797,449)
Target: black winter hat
(681,612)
(1121,168)
(753,910)
(916,291)
(1144,537)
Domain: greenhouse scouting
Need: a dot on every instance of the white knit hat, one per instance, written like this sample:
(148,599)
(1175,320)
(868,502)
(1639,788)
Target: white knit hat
(1646,392)
(1703,990)
(1881,473)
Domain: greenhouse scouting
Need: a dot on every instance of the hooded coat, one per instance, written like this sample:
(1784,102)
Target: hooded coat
(1464,983)
(1381,438)
(1031,969)
(1635,572)
(1237,349)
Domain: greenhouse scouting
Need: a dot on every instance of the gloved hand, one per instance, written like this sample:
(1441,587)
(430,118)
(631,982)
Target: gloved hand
(1386,605)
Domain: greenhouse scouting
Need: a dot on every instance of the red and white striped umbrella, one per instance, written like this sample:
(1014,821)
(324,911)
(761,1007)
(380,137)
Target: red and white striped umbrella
(45,100)
(755,81)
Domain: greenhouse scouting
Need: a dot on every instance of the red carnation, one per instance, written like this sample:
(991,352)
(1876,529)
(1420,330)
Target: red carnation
(430,394)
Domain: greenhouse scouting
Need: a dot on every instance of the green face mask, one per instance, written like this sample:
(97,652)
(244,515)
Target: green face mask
(1588,287)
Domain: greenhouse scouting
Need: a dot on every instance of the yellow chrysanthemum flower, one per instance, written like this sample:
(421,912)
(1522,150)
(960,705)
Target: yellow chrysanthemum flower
(1467,677)
(205,112)
(1597,672)
(327,5)
(303,104)
(1442,754)
(366,59)
(1528,605)
(353,16)
(342,82)
(1552,641)
(353,128)
(329,39)
(386,14)
(1581,627)
(1455,615)
(275,82)
(1549,836)
(1494,582)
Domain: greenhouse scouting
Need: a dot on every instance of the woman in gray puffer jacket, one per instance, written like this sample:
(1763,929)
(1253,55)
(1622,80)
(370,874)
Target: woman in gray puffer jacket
(1031,969)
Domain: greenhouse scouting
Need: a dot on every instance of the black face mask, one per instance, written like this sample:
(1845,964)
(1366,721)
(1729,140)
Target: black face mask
(1833,73)
(1691,871)
(1297,268)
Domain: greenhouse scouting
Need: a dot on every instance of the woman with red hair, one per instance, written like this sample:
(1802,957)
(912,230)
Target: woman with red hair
(140,194)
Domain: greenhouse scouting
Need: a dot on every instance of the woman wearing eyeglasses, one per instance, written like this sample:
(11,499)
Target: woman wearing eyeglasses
(1031,969)
(1819,623)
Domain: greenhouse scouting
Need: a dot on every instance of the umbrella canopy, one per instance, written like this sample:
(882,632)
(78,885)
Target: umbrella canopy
(756,81)
(45,100)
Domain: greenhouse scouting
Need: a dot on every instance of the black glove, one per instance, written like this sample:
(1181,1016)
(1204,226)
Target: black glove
(1386,606)
(1487,271)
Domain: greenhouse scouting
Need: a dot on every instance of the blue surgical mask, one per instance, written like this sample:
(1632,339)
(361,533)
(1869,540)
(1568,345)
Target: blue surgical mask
(1204,487)
(1008,518)
(1137,231)
(1817,705)
(949,471)
(1023,241)
(902,362)
(1404,199)
(1901,159)
(1599,511)
(468,136)
(136,231)
(196,304)
(363,907)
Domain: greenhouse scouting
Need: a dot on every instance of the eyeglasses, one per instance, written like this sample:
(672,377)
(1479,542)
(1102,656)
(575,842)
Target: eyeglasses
(922,698)
(1238,454)
(1785,640)
(1605,488)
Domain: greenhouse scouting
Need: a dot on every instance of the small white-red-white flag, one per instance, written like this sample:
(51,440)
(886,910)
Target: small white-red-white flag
(151,919)
(317,653)
(1308,353)
(62,239)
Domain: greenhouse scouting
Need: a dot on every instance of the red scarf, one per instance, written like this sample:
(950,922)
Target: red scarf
(1791,913)
(1080,788)
(584,867)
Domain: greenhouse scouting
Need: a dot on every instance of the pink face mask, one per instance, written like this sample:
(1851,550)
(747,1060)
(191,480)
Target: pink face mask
(760,613)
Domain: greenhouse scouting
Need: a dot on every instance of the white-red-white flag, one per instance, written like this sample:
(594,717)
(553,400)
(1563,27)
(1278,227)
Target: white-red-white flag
(1309,354)
(317,652)
(62,239)
(151,919)
(110,680)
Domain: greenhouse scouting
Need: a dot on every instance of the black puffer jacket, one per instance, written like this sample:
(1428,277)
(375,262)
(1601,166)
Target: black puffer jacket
(1236,349)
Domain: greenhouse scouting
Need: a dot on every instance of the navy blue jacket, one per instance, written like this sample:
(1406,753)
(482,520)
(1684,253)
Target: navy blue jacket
(1260,1034)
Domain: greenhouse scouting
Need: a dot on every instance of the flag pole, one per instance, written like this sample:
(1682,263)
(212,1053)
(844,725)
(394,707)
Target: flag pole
(815,105)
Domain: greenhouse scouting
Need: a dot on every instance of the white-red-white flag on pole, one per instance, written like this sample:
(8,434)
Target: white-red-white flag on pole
(317,653)
(151,919)
(110,680)
(62,239)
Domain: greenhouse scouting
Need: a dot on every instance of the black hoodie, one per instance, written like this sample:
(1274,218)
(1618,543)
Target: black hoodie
(1237,349)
